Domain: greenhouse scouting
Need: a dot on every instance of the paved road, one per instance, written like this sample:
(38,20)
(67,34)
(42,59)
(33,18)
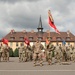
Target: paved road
(26,68)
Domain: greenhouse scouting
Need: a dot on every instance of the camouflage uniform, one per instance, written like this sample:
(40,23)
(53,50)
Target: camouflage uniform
(74,54)
(20,53)
(6,53)
(29,53)
(68,53)
(37,55)
(49,52)
(24,54)
(1,52)
(71,53)
(58,53)
(64,53)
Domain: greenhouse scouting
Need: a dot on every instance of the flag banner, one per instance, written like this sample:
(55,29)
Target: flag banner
(47,42)
(27,41)
(5,41)
(51,22)
(63,42)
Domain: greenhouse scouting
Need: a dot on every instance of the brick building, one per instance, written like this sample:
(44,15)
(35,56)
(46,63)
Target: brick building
(15,38)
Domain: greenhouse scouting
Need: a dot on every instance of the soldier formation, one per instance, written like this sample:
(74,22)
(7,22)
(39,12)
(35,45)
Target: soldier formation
(38,54)
(4,52)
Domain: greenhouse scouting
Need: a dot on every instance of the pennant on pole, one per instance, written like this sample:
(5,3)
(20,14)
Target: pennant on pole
(27,41)
(47,42)
(51,22)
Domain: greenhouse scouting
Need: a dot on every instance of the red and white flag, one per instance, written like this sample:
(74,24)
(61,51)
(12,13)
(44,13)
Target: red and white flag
(5,41)
(27,41)
(47,42)
(51,22)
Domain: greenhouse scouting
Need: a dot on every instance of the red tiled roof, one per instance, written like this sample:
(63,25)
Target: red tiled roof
(44,35)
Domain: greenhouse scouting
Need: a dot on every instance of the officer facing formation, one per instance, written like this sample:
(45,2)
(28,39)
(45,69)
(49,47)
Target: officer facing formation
(37,52)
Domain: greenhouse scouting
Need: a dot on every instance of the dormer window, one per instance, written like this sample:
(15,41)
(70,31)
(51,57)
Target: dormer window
(30,38)
(49,38)
(67,38)
(40,38)
(58,38)
(17,44)
(12,38)
(21,38)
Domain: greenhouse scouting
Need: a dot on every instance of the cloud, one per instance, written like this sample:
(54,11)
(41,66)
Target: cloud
(25,14)
(15,1)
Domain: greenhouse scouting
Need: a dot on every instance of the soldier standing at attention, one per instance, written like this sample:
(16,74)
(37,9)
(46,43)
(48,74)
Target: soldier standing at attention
(1,47)
(20,52)
(59,54)
(24,55)
(49,52)
(7,52)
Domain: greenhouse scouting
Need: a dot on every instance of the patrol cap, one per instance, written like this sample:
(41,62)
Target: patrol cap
(48,39)
(37,39)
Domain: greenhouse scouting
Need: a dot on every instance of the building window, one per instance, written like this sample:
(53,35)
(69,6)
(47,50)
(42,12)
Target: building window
(12,38)
(21,38)
(58,38)
(40,38)
(17,44)
(30,38)
(49,38)
(67,38)
(68,43)
(22,44)
(11,44)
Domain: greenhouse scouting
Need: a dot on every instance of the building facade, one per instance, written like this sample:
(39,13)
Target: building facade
(15,38)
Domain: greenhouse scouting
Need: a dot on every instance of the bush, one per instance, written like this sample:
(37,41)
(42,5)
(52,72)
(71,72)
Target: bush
(16,53)
(11,52)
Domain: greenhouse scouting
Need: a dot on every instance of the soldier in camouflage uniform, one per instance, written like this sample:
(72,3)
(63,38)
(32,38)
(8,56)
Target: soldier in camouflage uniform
(68,53)
(4,55)
(24,55)
(29,53)
(64,53)
(71,52)
(49,52)
(1,52)
(74,54)
(58,53)
(37,52)
(21,48)
(7,48)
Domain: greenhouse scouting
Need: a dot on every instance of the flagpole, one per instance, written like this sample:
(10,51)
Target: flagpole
(49,33)
(49,26)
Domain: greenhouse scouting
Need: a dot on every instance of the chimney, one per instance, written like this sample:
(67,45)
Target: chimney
(24,31)
(68,33)
(48,31)
(32,31)
(12,31)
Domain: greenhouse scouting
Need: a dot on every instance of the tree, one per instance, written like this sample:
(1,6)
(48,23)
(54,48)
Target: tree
(16,52)
(11,52)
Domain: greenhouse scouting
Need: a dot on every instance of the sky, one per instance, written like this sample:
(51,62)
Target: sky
(24,15)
